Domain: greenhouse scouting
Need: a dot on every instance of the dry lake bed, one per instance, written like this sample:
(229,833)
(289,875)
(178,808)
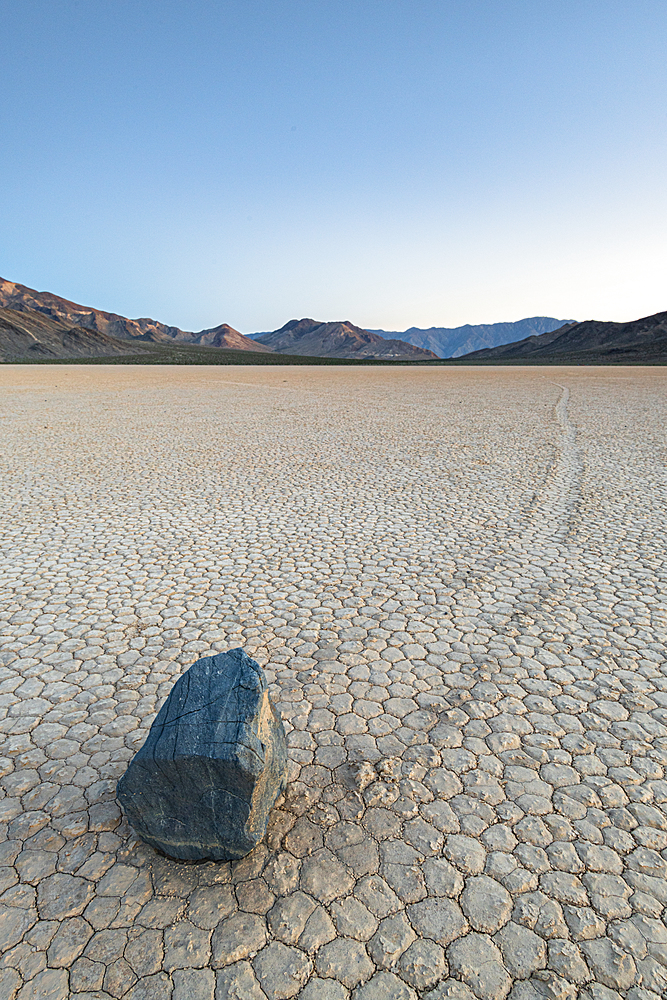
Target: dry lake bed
(455,580)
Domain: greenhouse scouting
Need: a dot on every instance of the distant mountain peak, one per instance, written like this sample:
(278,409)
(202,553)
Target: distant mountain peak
(454,342)
(338,339)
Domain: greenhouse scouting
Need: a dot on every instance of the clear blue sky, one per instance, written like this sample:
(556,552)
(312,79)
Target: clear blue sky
(431,162)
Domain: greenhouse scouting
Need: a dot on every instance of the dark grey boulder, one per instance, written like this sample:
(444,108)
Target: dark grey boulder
(213,764)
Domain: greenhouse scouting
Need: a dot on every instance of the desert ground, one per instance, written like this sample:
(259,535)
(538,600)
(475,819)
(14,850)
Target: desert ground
(454,579)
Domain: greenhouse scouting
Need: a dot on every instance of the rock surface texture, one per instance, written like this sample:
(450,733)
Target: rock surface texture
(214,762)
(455,583)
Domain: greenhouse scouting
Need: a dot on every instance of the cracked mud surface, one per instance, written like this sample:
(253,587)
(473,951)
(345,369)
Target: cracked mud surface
(455,581)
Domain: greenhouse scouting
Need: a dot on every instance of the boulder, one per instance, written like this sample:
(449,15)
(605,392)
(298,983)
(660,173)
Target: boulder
(213,764)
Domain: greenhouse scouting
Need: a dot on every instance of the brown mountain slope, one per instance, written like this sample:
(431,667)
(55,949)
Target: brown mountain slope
(641,340)
(312,338)
(20,297)
(30,335)
(223,336)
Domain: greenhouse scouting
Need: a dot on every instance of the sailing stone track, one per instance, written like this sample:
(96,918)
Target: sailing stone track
(455,581)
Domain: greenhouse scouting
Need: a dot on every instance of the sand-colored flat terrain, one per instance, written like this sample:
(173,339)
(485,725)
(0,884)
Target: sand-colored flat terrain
(455,579)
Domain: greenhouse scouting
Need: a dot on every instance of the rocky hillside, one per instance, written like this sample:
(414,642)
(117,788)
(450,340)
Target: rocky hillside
(312,338)
(21,298)
(641,340)
(28,336)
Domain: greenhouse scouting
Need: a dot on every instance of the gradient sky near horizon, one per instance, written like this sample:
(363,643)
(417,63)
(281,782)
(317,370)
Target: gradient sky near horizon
(421,163)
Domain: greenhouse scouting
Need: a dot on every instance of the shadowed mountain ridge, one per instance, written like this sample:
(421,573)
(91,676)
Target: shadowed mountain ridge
(454,342)
(639,340)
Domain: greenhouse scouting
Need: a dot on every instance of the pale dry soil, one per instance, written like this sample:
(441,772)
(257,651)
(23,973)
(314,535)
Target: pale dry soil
(455,581)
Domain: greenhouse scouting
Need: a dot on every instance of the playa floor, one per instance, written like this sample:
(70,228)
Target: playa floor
(455,581)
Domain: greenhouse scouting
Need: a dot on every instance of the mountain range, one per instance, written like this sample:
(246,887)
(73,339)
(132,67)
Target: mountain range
(641,341)
(454,342)
(312,338)
(21,298)
(42,326)
(305,337)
